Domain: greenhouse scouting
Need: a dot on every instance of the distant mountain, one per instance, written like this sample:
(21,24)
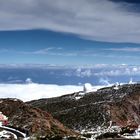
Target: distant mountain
(116,105)
(39,123)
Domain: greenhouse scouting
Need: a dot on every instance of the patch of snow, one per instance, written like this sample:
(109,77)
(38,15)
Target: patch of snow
(81,93)
(79,97)
(135,135)
(6,134)
(117,85)
(116,88)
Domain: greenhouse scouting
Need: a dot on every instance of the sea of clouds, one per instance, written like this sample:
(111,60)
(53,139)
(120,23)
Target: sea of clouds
(15,84)
(32,91)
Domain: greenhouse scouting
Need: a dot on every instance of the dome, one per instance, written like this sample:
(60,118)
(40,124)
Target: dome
(87,87)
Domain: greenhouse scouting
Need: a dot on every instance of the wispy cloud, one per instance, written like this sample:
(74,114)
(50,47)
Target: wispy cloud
(125,49)
(3,50)
(45,50)
(92,19)
(59,51)
(52,51)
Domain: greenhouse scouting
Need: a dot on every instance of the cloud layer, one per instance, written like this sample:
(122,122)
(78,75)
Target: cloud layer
(92,19)
(27,92)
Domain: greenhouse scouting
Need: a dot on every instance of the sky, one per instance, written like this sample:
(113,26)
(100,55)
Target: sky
(70,32)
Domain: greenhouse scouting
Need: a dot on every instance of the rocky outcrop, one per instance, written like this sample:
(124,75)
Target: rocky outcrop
(37,122)
(126,112)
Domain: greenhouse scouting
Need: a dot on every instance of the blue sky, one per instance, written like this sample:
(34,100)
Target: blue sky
(70,33)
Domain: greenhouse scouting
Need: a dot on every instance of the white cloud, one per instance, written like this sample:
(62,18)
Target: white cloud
(45,50)
(33,91)
(92,19)
(104,70)
(119,70)
(135,69)
(83,72)
(104,81)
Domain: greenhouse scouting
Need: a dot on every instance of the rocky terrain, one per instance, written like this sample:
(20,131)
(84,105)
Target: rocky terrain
(39,123)
(116,105)
(108,112)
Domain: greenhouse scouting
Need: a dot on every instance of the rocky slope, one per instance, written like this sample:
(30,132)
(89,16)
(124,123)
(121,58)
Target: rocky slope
(120,105)
(36,121)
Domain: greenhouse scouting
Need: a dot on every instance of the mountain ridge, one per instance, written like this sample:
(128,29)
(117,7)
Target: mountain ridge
(95,109)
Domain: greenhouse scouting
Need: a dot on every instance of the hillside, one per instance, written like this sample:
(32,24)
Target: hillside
(120,105)
(39,123)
